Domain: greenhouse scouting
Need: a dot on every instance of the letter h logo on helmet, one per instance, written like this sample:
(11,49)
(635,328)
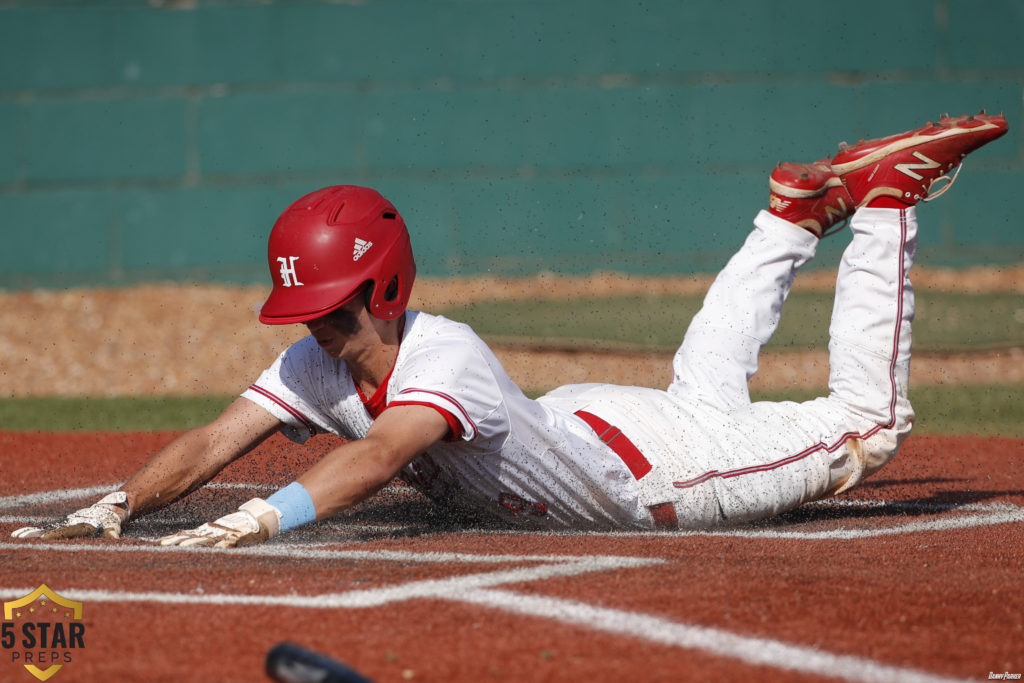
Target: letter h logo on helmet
(289,277)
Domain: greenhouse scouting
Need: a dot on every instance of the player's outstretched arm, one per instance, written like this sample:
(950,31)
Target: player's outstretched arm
(347,475)
(198,455)
(186,463)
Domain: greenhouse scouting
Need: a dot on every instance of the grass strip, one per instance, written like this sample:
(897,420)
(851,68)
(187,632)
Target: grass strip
(985,410)
(944,322)
(60,414)
(982,410)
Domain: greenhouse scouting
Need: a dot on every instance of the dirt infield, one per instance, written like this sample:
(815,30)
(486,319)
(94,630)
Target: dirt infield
(196,340)
(915,576)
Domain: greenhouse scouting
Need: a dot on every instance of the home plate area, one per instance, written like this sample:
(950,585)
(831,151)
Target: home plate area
(870,586)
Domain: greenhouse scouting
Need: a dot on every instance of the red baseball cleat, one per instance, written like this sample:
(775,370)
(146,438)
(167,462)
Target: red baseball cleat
(809,195)
(900,170)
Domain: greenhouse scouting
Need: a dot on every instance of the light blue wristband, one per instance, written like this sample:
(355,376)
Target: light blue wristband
(295,504)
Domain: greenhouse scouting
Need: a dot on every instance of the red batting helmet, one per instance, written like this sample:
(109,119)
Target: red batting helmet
(326,246)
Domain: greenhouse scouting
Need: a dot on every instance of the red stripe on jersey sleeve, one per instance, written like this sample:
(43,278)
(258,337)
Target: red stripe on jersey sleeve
(448,398)
(306,422)
(454,426)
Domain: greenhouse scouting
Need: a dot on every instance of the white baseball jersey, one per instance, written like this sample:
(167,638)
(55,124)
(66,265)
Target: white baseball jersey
(512,456)
(696,455)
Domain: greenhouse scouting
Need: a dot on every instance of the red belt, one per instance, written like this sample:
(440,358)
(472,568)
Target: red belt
(664,514)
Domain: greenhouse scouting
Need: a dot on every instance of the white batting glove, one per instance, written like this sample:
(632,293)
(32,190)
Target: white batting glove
(254,522)
(102,518)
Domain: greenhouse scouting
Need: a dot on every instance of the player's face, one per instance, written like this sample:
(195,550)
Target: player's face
(340,329)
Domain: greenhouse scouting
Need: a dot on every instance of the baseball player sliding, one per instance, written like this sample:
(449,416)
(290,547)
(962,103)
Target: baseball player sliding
(423,398)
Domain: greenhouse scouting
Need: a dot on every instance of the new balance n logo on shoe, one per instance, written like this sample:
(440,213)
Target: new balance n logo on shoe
(910,169)
(360,248)
(837,213)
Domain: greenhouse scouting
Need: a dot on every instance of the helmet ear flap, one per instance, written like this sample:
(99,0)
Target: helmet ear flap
(391,294)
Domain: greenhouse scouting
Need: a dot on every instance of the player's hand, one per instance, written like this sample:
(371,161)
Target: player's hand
(102,518)
(254,522)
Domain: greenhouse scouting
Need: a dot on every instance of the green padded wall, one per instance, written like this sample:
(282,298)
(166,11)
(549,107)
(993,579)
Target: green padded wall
(160,140)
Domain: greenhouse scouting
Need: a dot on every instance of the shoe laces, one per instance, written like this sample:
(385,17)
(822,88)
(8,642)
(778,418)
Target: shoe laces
(949,180)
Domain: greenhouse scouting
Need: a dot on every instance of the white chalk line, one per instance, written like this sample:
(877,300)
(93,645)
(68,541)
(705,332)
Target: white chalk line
(444,589)
(907,505)
(62,495)
(991,514)
(450,588)
(481,589)
(982,515)
(46,519)
(942,524)
(752,651)
(478,589)
(304,552)
(54,496)
(999,515)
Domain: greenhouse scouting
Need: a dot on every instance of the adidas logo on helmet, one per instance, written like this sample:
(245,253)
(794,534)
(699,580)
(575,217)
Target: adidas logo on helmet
(360,247)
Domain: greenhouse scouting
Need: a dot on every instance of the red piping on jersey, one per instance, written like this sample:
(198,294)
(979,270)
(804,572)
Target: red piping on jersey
(454,426)
(291,411)
(376,404)
(729,474)
(445,397)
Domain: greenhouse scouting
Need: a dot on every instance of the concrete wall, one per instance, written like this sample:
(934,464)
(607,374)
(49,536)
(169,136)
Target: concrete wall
(160,140)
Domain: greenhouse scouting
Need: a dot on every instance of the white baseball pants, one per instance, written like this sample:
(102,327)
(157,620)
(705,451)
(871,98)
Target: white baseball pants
(773,457)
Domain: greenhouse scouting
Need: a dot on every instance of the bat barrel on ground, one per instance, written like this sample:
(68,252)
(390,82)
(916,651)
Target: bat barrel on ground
(290,663)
